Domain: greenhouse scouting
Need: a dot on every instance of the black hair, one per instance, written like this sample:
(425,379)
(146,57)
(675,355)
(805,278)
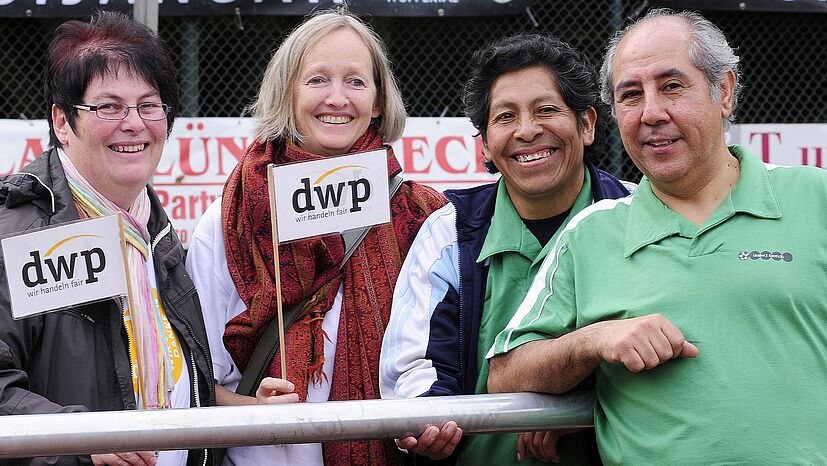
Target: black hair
(80,51)
(576,78)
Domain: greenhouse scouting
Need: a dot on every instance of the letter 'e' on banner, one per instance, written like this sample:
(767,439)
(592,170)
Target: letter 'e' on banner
(59,267)
(329,195)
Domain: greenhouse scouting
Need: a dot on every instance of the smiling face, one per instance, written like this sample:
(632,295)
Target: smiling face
(335,94)
(533,138)
(117,157)
(670,126)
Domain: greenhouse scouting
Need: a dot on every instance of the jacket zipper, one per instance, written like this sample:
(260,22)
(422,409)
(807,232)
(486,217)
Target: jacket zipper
(462,317)
(196,395)
(160,236)
(128,345)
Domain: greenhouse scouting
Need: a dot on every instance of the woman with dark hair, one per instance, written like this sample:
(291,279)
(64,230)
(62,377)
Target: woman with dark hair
(114,96)
(534,99)
(328,90)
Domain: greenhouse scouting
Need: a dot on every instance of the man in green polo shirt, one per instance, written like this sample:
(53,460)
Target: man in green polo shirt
(700,300)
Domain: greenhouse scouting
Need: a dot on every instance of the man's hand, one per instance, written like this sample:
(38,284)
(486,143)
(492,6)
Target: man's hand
(641,342)
(434,443)
(541,445)
(135,458)
(275,391)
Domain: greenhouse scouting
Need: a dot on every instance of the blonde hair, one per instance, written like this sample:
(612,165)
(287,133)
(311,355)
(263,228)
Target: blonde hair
(273,109)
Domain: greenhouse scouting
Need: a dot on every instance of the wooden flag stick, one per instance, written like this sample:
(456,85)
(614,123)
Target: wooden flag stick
(271,188)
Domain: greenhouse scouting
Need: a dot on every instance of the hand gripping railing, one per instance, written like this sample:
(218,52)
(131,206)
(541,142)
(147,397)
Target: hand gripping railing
(232,426)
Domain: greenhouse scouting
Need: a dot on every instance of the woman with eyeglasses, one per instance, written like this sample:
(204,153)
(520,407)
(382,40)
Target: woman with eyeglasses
(113,96)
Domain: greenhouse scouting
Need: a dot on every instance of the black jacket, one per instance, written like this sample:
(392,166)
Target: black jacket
(77,359)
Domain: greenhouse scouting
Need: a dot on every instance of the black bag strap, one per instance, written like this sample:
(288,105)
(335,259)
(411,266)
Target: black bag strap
(265,350)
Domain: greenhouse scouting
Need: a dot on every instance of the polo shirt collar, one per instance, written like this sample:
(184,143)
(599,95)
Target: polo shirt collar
(649,220)
(508,232)
(753,194)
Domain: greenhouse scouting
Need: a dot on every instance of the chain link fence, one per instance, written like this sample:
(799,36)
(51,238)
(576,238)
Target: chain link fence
(222,58)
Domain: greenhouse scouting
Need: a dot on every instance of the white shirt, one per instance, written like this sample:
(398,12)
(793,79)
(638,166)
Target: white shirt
(220,302)
(180,397)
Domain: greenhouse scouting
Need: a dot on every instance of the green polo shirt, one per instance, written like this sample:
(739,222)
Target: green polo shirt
(514,256)
(748,288)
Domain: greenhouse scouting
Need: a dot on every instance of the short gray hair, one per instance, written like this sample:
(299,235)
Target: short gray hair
(273,109)
(709,51)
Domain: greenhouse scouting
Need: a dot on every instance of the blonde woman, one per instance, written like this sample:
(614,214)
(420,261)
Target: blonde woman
(328,90)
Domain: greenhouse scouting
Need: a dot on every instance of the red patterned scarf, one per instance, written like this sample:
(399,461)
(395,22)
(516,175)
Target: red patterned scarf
(311,267)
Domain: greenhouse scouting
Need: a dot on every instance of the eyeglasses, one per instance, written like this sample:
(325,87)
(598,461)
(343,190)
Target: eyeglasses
(147,111)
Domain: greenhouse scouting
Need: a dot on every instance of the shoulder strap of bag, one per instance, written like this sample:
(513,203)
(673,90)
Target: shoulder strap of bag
(265,350)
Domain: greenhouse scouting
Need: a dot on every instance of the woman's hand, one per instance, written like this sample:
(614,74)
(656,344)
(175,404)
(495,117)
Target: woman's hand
(270,391)
(276,391)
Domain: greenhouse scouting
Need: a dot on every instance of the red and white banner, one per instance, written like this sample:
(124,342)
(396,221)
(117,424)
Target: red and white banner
(201,153)
(440,152)
(788,144)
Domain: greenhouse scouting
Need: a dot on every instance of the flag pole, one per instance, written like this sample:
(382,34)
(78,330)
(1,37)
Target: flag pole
(271,187)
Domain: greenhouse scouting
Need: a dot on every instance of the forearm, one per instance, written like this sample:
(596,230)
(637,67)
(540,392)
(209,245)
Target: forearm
(546,366)
(225,397)
(556,366)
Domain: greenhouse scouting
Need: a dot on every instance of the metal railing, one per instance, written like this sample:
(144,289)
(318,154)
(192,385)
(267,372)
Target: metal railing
(233,426)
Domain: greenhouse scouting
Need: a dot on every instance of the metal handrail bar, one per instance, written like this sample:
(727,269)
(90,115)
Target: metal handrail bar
(233,426)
